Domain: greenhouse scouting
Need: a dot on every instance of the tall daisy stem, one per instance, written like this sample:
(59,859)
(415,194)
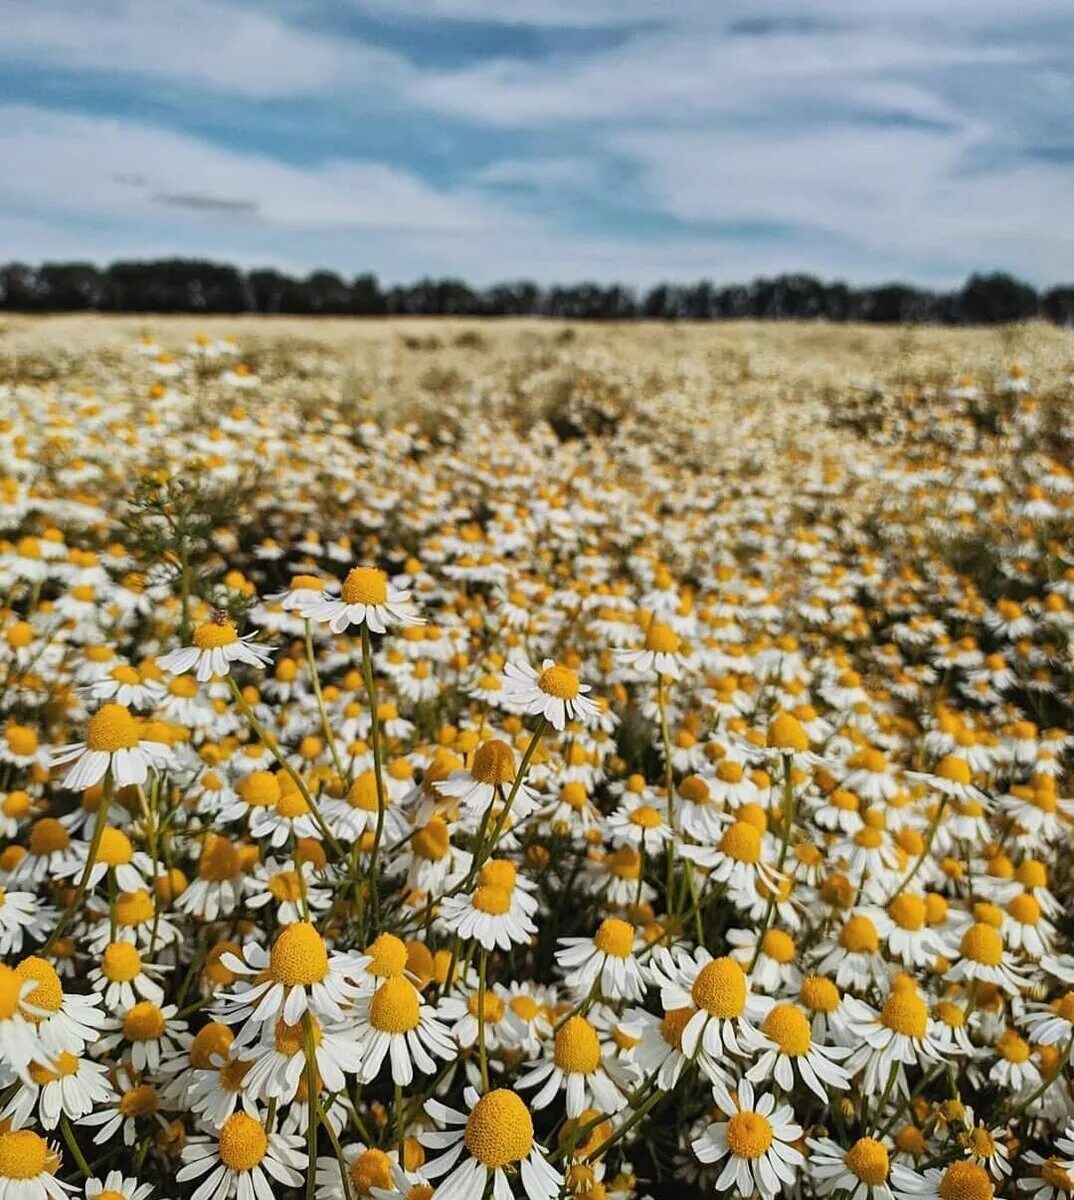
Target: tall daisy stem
(100,819)
(378,755)
(270,745)
(311,1090)
(784,846)
(315,679)
(73,1146)
(482,964)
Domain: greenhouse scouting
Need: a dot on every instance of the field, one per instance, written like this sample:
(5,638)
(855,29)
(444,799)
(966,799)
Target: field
(592,760)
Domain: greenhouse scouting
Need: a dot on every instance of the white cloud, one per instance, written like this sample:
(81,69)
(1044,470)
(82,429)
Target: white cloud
(194,42)
(101,167)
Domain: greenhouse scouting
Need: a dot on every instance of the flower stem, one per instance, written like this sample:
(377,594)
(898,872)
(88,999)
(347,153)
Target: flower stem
(100,819)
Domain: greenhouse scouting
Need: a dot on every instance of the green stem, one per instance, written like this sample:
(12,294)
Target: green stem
(72,1145)
(330,737)
(99,822)
(378,755)
(311,1090)
(296,779)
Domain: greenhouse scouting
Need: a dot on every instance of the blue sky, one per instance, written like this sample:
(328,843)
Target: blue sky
(620,140)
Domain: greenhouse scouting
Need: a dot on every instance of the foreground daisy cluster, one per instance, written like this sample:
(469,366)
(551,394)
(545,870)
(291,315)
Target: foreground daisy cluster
(594,774)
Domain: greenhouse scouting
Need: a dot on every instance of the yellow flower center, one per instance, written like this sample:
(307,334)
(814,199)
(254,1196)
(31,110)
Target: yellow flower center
(211,1039)
(219,860)
(662,639)
(432,841)
(292,805)
(214,634)
(645,816)
(299,957)
(868,1160)
(819,994)
(983,944)
(778,945)
(243,1142)
(748,1135)
(111,728)
(290,1040)
(674,1022)
(494,763)
(785,733)
(905,1012)
(499,872)
(143,1023)
(525,1007)
(742,842)
(395,1007)
(1053,1174)
(134,908)
(491,1012)
(371,1169)
(388,954)
(1025,909)
(499,1130)
(908,911)
(16,804)
(365,585)
(64,1066)
(115,848)
(286,887)
(140,1101)
(788,1027)
(48,836)
(577,1047)
(21,740)
(1011,1047)
(121,962)
(48,994)
(965,1181)
(720,988)
(488,898)
(614,937)
(23,1154)
(559,681)
(859,936)
(233,1072)
(954,769)
(260,789)
(10,989)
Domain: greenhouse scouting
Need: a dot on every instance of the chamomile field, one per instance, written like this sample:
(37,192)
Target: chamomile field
(442,759)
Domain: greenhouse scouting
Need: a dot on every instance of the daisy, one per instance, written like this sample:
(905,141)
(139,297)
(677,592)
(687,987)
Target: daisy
(279,1058)
(786,1043)
(982,956)
(555,692)
(717,991)
(575,1064)
(297,976)
(966,1180)
(491,774)
(28,1167)
(498,912)
(862,1171)
(216,646)
(113,744)
(756,1141)
(149,1031)
(22,914)
(240,1159)
(608,956)
(493,1140)
(366,598)
(661,653)
(116,1184)
(899,1035)
(69,1086)
(394,1023)
(123,978)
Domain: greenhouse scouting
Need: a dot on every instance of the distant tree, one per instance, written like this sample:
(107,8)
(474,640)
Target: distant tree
(996,298)
(191,285)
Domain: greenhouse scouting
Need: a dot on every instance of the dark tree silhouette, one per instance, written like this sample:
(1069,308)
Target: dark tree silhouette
(190,285)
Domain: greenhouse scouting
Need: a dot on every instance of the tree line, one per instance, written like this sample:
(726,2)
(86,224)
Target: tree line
(179,285)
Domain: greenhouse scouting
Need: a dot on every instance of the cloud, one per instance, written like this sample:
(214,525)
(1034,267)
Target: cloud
(235,49)
(107,168)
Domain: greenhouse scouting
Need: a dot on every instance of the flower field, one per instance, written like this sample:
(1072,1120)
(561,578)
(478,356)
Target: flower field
(458,759)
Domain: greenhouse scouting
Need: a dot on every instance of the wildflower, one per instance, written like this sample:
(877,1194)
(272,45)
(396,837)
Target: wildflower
(216,646)
(113,744)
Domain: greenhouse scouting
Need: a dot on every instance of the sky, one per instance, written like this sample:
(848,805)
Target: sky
(559,140)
